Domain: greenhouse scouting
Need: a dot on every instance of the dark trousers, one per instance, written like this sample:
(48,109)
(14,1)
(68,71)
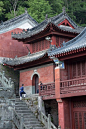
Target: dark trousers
(22,93)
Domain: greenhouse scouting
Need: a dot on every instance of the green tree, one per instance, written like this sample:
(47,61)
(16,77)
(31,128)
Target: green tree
(14,8)
(38,9)
(1,7)
(56,6)
(77,11)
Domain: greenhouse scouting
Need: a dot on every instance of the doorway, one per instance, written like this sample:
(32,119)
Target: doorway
(35,83)
(79,114)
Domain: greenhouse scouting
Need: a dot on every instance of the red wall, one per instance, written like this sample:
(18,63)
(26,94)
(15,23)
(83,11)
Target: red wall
(11,48)
(45,73)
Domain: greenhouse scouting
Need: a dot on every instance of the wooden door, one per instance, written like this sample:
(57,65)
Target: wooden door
(79,115)
(36,84)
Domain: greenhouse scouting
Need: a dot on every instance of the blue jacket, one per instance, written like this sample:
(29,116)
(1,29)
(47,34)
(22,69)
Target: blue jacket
(21,89)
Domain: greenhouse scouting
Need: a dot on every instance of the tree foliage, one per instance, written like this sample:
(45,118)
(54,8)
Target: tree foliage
(38,9)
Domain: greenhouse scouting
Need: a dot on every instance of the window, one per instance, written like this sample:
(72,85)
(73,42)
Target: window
(79,68)
(41,45)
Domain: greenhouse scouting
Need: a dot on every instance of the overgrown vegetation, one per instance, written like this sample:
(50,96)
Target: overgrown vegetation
(38,9)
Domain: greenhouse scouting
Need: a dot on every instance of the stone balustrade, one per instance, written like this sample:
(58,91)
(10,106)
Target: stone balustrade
(5,82)
(46,121)
(18,121)
(6,86)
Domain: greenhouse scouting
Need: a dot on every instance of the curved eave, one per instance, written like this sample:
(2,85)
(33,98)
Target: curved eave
(71,52)
(75,45)
(26,35)
(18,19)
(24,60)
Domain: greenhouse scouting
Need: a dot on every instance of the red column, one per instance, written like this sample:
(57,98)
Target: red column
(61,114)
(58,98)
(57,82)
(53,40)
(30,48)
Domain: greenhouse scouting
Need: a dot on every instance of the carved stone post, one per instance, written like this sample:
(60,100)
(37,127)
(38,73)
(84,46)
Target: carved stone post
(3,77)
(3,115)
(9,83)
(49,121)
(21,122)
(12,84)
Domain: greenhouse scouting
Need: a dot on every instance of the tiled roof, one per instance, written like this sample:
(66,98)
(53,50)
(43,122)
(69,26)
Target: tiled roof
(41,27)
(15,22)
(74,44)
(54,20)
(62,16)
(24,59)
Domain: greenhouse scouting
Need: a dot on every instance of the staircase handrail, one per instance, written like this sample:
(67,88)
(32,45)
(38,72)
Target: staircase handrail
(46,121)
(6,82)
(18,121)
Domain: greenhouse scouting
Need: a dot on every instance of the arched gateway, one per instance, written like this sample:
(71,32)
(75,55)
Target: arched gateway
(35,82)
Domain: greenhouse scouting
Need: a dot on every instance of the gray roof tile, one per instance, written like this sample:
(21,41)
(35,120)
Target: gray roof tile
(24,59)
(12,23)
(74,44)
(54,20)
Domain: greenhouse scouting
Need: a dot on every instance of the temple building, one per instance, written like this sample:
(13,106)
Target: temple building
(8,47)
(57,58)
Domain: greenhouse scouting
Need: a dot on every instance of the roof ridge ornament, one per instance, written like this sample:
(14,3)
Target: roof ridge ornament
(64,44)
(15,57)
(52,47)
(26,10)
(23,31)
(64,10)
(46,17)
(49,20)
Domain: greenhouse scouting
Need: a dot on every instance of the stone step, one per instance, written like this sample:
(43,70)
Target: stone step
(32,122)
(33,125)
(30,119)
(23,111)
(26,114)
(20,101)
(21,104)
(21,108)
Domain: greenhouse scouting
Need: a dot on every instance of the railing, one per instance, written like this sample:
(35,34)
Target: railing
(47,121)
(5,81)
(6,86)
(73,86)
(18,121)
(47,91)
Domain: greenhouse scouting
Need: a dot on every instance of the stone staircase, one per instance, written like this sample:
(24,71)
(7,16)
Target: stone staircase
(30,119)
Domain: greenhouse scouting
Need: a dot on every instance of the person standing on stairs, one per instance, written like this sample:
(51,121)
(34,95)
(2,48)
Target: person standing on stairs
(22,91)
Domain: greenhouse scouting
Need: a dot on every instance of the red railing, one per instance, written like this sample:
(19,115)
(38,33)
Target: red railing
(74,86)
(47,91)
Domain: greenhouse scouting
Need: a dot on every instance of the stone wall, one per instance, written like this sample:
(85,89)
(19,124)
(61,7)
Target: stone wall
(35,103)
(6,114)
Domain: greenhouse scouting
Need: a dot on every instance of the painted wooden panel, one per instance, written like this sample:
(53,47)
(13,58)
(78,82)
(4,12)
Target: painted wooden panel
(47,91)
